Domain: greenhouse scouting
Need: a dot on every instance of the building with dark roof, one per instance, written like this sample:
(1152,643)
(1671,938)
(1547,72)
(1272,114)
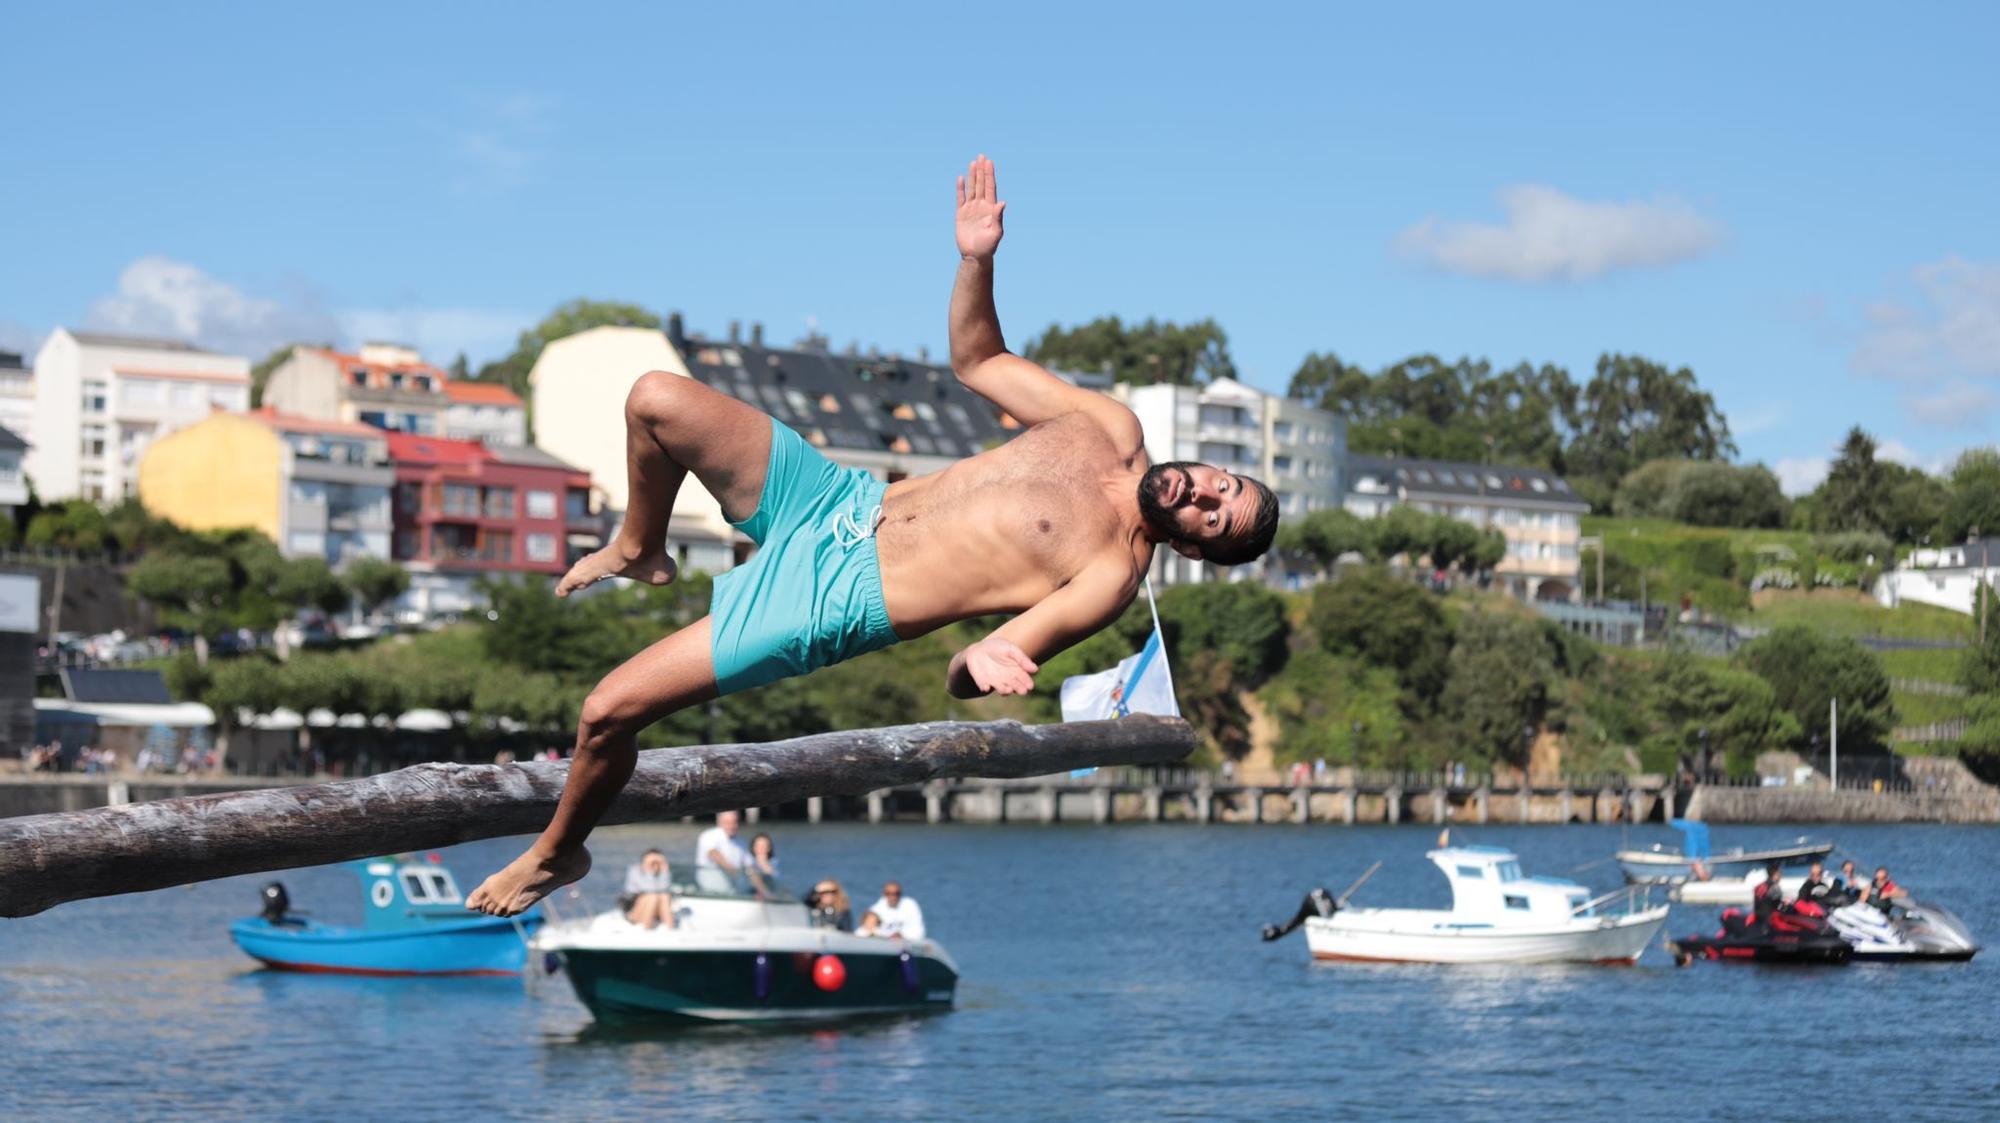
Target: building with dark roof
(1537,511)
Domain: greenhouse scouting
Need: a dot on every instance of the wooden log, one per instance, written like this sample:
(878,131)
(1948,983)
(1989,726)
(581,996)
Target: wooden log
(48,859)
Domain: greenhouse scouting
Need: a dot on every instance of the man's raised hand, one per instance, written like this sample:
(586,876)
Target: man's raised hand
(979,211)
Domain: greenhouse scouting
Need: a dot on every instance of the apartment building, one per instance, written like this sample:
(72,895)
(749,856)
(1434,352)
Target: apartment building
(386,386)
(463,510)
(317,488)
(17,396)
(1537,511)
(486,412)
(102,399)
(1295,449)
(13,481)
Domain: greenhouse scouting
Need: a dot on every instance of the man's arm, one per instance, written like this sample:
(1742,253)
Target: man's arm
(1006,661)
(979,354)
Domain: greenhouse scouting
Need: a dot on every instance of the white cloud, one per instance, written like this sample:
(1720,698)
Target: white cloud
(160,296)
(1798,475)
(1552,236)
(1940,338)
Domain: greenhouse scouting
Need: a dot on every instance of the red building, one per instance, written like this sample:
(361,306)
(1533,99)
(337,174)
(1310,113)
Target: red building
(463,510)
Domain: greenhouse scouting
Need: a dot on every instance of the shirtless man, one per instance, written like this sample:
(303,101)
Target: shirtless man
(1057,525)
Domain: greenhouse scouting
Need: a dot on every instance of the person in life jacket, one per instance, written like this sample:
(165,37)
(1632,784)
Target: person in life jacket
(1769,894)
(1816,885)
(1883,890)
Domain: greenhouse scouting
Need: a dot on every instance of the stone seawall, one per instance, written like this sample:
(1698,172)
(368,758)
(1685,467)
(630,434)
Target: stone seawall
(1803,805)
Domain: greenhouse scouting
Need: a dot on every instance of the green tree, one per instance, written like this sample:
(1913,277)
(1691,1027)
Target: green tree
(1336,709)
(374,582)
(1502,677)
(1736,710)
(1853,495)
(1635,410)
(568,319)
(190,592)
(1703,493)
(1980,671)
(239,690)
(1385,622)
(1974,503)
(1324,536)
(1463,410)
(75,525)
(1241,622)
(1155,351)
(1808,669)
(1401,531)
(1913,503)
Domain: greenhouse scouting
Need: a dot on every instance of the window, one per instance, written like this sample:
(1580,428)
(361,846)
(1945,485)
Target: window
(395,380)
(421,382)
(499,502)
(406,543)
(541,547)
(410,496)
(497,546)
(1510,871)
(541,504)
(1282,431)
(93,441)
(223,397)
(305,543)
(184,394)
(1282,464)
(94,397)
(461,499)
(1472,873)
(576,504)
(428,887)
(140,392)
(1519,904)
(358,376)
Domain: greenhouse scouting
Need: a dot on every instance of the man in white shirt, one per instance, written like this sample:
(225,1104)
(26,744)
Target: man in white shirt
(900,915)
(719,859)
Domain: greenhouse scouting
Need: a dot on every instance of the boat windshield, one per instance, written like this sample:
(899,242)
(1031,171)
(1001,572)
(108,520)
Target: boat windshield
(1510,871)
(732,889)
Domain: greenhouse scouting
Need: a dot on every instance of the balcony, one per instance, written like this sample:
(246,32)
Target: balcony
(1217,433)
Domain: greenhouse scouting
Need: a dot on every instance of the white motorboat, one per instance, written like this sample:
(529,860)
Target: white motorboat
(1498,915)
(1732,890)
(735,958)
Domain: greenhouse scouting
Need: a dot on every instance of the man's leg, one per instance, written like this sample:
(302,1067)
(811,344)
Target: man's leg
(673,674)
(673,426)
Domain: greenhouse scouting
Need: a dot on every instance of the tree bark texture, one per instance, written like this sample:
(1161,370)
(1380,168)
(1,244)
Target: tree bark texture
(48,859)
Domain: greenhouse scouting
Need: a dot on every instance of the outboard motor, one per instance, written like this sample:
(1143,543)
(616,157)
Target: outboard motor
(1319,902)
(276,902)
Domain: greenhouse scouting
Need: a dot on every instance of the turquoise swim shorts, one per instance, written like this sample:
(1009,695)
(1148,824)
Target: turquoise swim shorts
(811,596)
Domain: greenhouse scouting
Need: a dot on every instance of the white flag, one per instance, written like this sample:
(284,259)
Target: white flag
(1140,684)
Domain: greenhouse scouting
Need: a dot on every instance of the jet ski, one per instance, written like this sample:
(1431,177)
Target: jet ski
(1796,934)
(1911,931)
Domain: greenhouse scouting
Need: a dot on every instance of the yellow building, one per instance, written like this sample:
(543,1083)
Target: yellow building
(317,488)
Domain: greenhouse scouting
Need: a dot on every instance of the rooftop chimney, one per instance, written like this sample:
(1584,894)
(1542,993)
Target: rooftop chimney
(735,331)
(756,334)
(923,353)
(676,331)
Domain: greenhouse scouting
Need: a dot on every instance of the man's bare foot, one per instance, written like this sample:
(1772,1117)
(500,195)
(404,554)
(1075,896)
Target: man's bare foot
(618,560)
(527,880)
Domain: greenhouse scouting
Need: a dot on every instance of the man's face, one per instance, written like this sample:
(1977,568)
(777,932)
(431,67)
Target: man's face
(1189,503)
(728,821)
(892,892)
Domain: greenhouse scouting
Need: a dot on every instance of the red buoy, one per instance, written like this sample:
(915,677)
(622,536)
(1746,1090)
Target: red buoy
(829,973)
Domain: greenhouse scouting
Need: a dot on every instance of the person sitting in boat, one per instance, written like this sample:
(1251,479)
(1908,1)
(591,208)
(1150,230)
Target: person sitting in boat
(1849,883)
(762,868)
(719,859)
(1768,896)
(649,892)
(871,925)
(900,915)
(1883,889)
(830,907)
(1817,886)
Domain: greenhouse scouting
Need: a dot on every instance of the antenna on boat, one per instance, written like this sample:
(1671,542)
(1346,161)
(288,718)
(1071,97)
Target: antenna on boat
(1341,901)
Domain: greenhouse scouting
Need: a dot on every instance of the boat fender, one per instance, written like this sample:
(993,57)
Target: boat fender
(1319,903)
(277,902)
(909,966)
(829,973)
(762,977)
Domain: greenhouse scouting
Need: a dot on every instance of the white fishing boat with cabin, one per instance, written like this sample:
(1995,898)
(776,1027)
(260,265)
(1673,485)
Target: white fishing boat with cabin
(1498,915)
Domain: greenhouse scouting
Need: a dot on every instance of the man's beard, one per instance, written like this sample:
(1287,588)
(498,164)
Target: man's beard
(1160,517)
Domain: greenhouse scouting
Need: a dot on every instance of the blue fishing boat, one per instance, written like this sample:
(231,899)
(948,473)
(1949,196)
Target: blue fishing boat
(416,924)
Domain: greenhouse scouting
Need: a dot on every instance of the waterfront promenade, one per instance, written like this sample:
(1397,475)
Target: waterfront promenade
(1935,791)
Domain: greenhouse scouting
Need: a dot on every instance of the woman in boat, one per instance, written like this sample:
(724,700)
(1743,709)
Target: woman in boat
(648,887)
(830,906)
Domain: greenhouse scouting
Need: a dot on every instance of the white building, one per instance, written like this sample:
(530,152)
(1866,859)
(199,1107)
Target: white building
(17,397)
(13,482)
(101,399)
(1945,576)
(1537,511)
(486,412)
(1295,449)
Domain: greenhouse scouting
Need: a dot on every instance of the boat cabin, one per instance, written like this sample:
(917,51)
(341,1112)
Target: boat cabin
(404,893)
(1489,889)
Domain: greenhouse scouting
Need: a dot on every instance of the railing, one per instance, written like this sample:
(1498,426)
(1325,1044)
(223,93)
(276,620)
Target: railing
(1951,730)
(1927,686)
(1338,779)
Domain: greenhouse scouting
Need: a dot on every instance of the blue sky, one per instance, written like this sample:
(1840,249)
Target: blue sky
(1800,206)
